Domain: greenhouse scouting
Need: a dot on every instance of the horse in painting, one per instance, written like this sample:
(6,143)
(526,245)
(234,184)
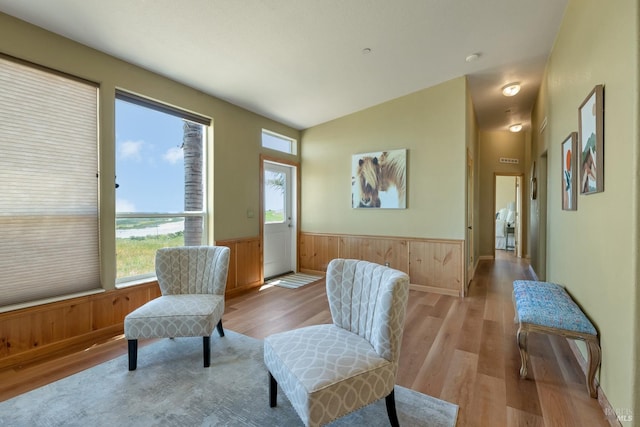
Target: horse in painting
(381,174)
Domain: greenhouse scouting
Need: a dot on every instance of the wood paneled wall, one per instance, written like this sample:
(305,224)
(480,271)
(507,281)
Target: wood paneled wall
(245,264)
(432,264)
(31,333)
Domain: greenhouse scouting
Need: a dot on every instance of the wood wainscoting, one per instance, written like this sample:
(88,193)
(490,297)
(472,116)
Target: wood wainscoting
(433,265)
(245,264)
(37,332)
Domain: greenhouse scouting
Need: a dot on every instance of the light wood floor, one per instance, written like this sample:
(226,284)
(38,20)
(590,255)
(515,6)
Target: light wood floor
(460,350)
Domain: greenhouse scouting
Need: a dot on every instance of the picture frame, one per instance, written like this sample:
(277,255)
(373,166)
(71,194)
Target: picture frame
(533,182)
(379,180)
(591,142)
(569,176)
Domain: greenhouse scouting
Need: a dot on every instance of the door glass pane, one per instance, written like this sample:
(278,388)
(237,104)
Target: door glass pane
(275,184)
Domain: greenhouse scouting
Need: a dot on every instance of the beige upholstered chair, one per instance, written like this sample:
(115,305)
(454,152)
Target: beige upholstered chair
(328,371)
(192,280)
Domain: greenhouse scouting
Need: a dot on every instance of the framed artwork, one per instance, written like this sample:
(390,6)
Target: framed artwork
(569,175)
(533,181)
(379,180)
(591,142)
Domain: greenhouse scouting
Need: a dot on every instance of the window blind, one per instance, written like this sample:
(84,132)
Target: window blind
(48,184)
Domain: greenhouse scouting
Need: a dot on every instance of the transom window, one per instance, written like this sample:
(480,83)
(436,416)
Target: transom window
(160,181)
(278,142)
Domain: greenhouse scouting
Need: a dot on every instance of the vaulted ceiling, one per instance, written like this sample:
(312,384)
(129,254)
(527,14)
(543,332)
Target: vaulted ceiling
(305,62)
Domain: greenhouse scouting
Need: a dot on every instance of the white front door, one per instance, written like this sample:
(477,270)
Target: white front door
(278,219)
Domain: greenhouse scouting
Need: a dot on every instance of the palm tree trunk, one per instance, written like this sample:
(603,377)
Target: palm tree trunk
(193,177)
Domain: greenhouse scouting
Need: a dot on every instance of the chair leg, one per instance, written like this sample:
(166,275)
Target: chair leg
(206,351)
(390,400)
(133,354)
(219,327)
(273,391)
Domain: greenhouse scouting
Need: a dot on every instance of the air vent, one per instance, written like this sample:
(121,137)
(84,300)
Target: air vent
(508,160)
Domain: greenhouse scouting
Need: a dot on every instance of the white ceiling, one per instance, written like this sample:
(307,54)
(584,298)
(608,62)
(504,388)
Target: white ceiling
(301,62)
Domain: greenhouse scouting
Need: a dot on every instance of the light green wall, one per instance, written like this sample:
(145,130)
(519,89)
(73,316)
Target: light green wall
(430,124)
(492,146)
(594,250)
(505,191)
(236,135)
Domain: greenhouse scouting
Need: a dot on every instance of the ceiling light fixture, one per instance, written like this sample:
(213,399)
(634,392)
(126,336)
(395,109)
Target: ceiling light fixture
(472,57)
(511,89)
(515,128)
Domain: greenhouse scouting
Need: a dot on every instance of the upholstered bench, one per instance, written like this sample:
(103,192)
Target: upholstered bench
(547,308)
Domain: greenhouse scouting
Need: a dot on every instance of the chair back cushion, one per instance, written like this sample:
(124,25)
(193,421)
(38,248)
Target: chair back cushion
(370,300)
(192,270)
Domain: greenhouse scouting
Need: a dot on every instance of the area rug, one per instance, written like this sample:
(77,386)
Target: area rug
(171,388)
(294,280)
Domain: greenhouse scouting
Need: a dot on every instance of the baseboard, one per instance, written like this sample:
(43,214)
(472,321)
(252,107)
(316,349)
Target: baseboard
(486,258)
(534,276)
(435,290)
(609,411)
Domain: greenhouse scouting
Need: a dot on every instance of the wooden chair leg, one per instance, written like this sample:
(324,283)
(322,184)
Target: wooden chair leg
(133,355)
(273,391)
(206,351)
(390,400)
(219,328)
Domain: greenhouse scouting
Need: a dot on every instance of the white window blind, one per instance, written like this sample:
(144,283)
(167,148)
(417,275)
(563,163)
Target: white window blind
(48,184)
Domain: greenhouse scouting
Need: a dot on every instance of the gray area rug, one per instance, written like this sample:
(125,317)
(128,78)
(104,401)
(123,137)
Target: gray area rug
(294,280)
(171,388)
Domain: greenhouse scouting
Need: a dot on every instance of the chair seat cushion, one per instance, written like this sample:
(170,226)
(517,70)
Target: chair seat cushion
(327,371)
(190,315)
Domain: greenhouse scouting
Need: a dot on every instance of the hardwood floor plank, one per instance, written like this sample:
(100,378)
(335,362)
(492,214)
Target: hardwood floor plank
(457,386)
(517,418)
(491,356)
(489,407)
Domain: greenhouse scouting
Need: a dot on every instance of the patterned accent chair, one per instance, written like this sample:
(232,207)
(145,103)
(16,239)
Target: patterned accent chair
(328,371)
(192,280)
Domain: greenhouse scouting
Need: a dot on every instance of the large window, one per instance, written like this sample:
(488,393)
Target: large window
(160,195)
(49,192)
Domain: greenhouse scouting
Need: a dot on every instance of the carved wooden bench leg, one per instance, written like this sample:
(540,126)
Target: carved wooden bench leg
(594,362)
(522,346)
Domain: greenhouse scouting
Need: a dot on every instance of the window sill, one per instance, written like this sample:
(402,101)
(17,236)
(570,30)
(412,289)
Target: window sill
(136,282)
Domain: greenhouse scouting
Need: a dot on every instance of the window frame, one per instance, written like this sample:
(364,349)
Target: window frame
(122,95)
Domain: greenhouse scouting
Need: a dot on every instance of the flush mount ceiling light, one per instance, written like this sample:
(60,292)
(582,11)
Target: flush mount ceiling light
(515,127)
(472,57)
(511,89)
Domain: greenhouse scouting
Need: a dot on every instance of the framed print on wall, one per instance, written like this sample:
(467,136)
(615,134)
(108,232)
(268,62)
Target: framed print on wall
(533,181)
(569,173)
(379,179)
(591,142)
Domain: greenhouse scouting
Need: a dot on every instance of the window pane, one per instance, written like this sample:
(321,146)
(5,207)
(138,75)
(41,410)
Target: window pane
(138,239)
(278,142)
(274,186)
(160,181)
(149,160)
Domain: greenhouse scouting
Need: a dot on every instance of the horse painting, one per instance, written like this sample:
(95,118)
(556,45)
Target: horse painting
(379,180)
